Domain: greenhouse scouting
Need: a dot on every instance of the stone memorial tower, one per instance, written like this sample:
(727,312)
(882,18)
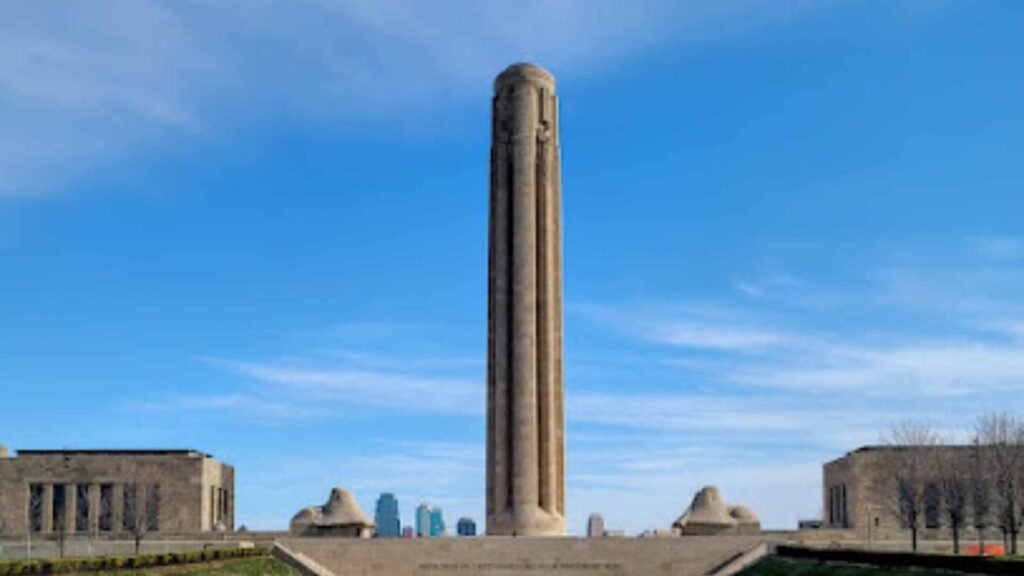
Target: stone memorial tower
(525,415)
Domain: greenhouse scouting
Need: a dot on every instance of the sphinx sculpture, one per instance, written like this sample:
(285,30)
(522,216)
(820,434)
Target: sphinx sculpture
(341,517)
(710,515)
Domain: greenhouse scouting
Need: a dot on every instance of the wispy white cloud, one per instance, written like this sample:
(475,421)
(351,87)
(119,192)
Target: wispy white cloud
(368,388)
(323,392)
(893,365)
(749,288)
(711,414)
(971,344)
(84,85)
(1000,247)
(253,406)
(694,327)
(694,334)
(769,285)
(1013,328)
(930,369)
(739,394)
(412,363)
(976,292)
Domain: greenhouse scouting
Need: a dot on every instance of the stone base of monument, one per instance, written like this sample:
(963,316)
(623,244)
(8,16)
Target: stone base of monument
(503,556)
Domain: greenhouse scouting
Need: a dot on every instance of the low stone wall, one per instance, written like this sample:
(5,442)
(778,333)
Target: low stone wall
(742,561)
(40,548)
(850,540)
(904,560)
(504,556)
(821,535)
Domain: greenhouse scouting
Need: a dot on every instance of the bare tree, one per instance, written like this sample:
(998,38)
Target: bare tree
(1000,438)
(981,492)
(953,478)
(907,469)
(84,512)
(142,512)
(35,516)
(82,504)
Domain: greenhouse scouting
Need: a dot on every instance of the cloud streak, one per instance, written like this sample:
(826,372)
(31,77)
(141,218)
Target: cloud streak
(747,393)
(361,387)
(85,86)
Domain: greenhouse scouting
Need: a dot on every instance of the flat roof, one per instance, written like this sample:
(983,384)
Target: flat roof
(103,452)
(894,447)
(876,447)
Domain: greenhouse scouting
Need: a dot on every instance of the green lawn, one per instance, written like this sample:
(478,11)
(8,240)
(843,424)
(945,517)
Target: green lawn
(787,567)
(242,567)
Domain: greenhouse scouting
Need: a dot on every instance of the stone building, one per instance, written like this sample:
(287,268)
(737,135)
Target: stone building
(115,492)
(854,498)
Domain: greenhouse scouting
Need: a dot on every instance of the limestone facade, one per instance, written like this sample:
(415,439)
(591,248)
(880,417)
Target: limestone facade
(103,492)
(853,499)
(525,416)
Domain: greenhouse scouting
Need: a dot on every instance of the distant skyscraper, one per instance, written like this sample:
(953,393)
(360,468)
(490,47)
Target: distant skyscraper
(389,524)
(595,526)
(437,527)
(423,520)
(466,527)
(429,521)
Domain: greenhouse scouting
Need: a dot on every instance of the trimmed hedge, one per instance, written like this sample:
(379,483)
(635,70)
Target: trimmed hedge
(968,564)
(109,563)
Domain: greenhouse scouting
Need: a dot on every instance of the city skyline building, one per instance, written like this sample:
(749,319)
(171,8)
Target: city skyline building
(465,527)
(389,523)
(423,520)
(437,525)
(429,521)
(595,526)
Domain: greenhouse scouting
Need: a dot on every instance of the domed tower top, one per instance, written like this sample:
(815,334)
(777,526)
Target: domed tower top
(524,73)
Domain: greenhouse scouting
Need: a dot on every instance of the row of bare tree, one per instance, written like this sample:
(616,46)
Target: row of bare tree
(977,483)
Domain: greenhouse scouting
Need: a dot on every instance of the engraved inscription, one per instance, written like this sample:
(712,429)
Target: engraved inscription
(521,566)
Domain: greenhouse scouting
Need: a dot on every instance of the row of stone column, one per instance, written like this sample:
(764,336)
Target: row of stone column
(48,521)
(220,506)
(837,511)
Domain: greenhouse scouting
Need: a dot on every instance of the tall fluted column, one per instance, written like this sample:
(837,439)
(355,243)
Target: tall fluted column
(48,508)
(525,424)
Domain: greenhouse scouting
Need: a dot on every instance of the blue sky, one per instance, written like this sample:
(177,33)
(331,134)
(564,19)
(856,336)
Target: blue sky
(259,229)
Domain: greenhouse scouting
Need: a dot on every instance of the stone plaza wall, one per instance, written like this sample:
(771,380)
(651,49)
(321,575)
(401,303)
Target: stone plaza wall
(506,556)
